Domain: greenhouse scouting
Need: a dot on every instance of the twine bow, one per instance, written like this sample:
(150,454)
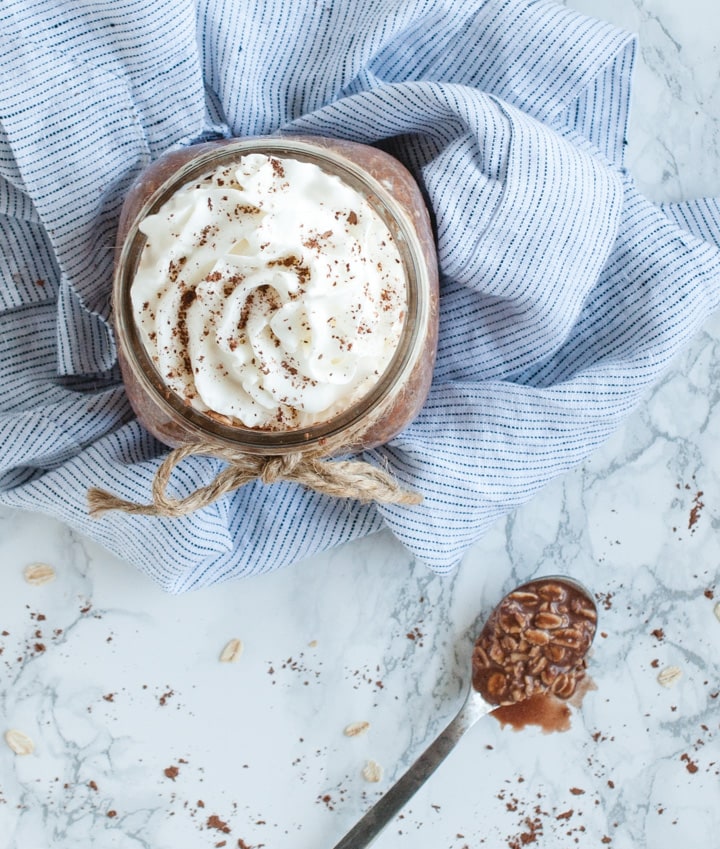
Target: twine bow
(340,478)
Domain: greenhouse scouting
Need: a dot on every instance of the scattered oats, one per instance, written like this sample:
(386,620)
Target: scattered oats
(20,743)
(312,644)
(232,651)
(669,676)
(372,771)
(356,728)
(39,573)
(716,610)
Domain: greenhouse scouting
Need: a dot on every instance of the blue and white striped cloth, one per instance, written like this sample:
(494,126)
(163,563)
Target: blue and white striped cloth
(564,292)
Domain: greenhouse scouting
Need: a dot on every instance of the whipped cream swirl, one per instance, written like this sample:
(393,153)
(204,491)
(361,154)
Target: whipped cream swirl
(269,293)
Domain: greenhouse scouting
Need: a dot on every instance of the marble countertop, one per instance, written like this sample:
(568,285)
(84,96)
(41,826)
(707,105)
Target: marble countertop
(143,738)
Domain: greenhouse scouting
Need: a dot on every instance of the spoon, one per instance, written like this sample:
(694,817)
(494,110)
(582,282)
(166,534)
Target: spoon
(532,646)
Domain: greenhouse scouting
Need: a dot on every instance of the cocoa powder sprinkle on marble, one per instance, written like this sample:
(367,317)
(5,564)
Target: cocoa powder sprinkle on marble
(214,821)
(162,700)
(690,764)
(696,509)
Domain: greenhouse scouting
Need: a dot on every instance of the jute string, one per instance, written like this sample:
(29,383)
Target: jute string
(340,478)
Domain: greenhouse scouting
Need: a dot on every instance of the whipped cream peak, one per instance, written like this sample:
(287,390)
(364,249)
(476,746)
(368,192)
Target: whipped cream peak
(269,293)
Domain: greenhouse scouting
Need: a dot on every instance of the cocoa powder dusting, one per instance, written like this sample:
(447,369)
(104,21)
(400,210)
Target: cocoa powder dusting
(214,821)
(163,700)
(533,830)
(690,764)
(695,510)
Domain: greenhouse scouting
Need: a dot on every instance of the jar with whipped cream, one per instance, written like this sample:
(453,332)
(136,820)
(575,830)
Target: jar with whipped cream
(276,296)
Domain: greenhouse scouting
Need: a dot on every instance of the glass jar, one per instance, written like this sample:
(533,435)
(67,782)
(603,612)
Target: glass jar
(398,395)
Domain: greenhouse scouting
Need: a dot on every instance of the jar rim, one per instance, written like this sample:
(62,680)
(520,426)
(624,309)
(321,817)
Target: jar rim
(417,281)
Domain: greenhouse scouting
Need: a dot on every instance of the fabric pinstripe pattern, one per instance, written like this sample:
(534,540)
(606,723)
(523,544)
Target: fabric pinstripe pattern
(564,292)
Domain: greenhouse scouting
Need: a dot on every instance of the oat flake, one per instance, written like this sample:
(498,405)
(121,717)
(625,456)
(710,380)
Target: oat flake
(232,651)
(716,610)
(356,728)
(19,742)
(39,573)
(669,676)
(372,771)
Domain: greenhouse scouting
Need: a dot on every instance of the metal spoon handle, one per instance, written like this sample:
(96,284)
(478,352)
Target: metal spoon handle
(367,829)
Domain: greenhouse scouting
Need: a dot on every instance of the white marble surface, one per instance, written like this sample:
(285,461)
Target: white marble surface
(116,682)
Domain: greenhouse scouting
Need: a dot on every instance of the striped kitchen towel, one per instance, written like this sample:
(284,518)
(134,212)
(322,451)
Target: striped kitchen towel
(564,293)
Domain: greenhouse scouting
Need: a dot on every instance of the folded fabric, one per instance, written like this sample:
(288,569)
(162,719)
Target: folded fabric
(564,293)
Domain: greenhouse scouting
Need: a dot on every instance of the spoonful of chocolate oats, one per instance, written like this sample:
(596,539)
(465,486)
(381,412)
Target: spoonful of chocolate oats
(529,659)
(535,642)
